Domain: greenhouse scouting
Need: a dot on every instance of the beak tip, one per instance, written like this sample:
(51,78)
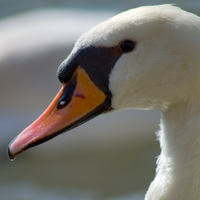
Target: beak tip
(10,155)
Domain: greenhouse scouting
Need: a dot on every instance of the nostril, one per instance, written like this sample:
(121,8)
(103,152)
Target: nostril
(67,93)
(63,103)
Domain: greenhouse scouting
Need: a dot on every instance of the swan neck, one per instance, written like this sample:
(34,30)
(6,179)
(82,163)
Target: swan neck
(178,166)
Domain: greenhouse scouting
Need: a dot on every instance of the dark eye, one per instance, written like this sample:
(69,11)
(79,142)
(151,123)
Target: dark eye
(127,46)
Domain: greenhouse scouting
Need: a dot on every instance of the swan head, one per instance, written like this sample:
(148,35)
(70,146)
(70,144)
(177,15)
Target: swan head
(160,69)
(144,58)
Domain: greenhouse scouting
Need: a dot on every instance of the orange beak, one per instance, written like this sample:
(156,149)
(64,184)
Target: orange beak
(77,101)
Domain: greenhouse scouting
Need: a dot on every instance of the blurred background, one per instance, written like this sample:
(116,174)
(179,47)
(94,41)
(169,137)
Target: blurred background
(113,156)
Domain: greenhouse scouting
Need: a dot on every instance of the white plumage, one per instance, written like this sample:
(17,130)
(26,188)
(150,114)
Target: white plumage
(163,73)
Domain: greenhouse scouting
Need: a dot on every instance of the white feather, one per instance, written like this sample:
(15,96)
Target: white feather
(163,72)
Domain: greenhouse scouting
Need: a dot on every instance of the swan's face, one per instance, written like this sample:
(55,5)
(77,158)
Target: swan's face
(158,71)
(137,59)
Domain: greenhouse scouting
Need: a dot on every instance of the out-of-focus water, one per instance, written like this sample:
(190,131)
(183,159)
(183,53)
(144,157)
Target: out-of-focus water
(9,7)
(122,172)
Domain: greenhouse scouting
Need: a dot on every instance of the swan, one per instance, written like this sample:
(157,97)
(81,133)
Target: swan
(144,58)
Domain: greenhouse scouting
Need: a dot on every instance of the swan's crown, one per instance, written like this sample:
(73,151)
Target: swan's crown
(163,68)
(136,23)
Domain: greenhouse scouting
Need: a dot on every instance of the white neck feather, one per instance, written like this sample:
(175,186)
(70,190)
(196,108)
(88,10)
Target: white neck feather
(178,166)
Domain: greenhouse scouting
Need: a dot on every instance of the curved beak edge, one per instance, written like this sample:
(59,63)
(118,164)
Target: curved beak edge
(87,101)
